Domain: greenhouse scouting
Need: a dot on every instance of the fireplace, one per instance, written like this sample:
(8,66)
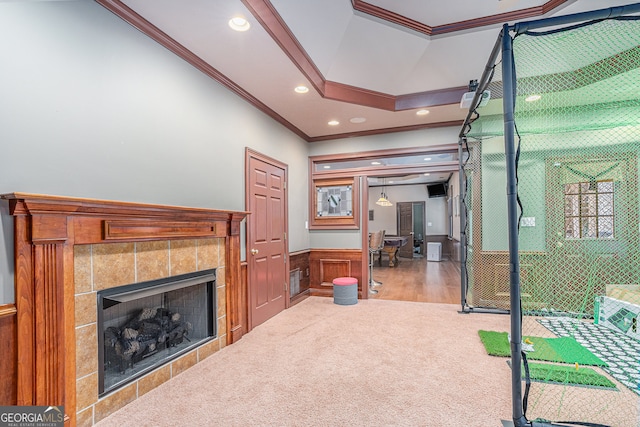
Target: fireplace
(69,249)
(145,325)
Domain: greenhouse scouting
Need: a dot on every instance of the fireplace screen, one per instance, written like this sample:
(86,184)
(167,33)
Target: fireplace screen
(145,325)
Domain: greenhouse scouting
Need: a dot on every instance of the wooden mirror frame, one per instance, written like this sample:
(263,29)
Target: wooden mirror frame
(334,222)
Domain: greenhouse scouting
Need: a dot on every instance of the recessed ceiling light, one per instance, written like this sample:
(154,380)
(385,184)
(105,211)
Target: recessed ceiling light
(390,182)
(333,123)
(327,167)
(426,159)
(301,89)
(532,98)
(376,163)
(422,112)
(427,174)
(357,120)
(238,23)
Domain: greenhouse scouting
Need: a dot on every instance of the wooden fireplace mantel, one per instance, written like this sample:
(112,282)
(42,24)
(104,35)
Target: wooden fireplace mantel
(45,230)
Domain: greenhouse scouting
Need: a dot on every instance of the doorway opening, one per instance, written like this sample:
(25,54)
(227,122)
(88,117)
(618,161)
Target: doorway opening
(395,169)
(414,220)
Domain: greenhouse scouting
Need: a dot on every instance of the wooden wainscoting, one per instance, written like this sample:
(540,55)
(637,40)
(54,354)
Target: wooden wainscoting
(300,261)
(243,314)
(9,359)
(327,264)
(492,276)
(456,249)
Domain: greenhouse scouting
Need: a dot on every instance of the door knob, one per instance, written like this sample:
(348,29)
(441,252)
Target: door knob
(254,251)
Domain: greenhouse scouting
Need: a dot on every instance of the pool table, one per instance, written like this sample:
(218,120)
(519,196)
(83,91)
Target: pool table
(391,246)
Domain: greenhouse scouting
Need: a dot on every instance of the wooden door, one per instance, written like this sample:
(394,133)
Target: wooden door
(266,238)
(418,227)
(405,227)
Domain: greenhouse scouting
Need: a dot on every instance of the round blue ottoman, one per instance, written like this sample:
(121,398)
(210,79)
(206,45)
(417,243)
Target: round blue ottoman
(345,290)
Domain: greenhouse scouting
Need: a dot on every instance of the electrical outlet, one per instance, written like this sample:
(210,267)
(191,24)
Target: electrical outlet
(528,221)
(307,271)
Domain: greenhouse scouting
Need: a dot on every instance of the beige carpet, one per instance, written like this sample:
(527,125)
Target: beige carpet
(376,363)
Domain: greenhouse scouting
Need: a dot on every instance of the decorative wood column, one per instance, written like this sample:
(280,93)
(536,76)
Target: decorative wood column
(236,292)
(46,229)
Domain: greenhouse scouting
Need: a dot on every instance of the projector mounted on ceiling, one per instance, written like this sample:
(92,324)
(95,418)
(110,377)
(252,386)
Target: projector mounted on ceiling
(467,97)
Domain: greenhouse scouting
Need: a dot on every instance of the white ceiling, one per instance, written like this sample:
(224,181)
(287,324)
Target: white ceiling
(326,44)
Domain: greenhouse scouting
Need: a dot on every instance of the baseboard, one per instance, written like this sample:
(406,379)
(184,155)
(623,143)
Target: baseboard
(300,297)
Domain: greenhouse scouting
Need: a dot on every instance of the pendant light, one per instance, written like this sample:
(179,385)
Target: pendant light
(383,201)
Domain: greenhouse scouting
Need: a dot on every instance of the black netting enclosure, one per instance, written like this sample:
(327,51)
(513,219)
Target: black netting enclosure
(551,215)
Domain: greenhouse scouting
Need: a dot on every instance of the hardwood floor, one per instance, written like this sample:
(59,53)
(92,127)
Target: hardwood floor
(419,280)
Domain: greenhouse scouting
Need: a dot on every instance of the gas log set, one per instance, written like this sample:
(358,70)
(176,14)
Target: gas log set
(151,330)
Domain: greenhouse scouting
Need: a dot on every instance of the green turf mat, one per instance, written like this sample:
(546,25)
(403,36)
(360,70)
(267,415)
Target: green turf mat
(562,350)
(573,352)
(563,374)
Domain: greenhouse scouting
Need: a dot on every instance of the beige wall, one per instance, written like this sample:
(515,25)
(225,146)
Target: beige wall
(420,138)
(385,218)
(91,107)
(118,117)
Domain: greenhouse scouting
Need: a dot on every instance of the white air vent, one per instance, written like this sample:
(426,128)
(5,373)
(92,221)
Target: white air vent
(294,282)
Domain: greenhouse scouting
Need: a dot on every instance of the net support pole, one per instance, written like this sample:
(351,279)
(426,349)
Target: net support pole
(508,100)
(463,226)
(593,15)
(485,79)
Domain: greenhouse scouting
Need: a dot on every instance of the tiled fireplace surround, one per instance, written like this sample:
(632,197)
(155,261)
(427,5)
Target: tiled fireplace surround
(67,249)
(105,266)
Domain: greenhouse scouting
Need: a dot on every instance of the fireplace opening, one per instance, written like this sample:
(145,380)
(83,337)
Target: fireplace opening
(145,325)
